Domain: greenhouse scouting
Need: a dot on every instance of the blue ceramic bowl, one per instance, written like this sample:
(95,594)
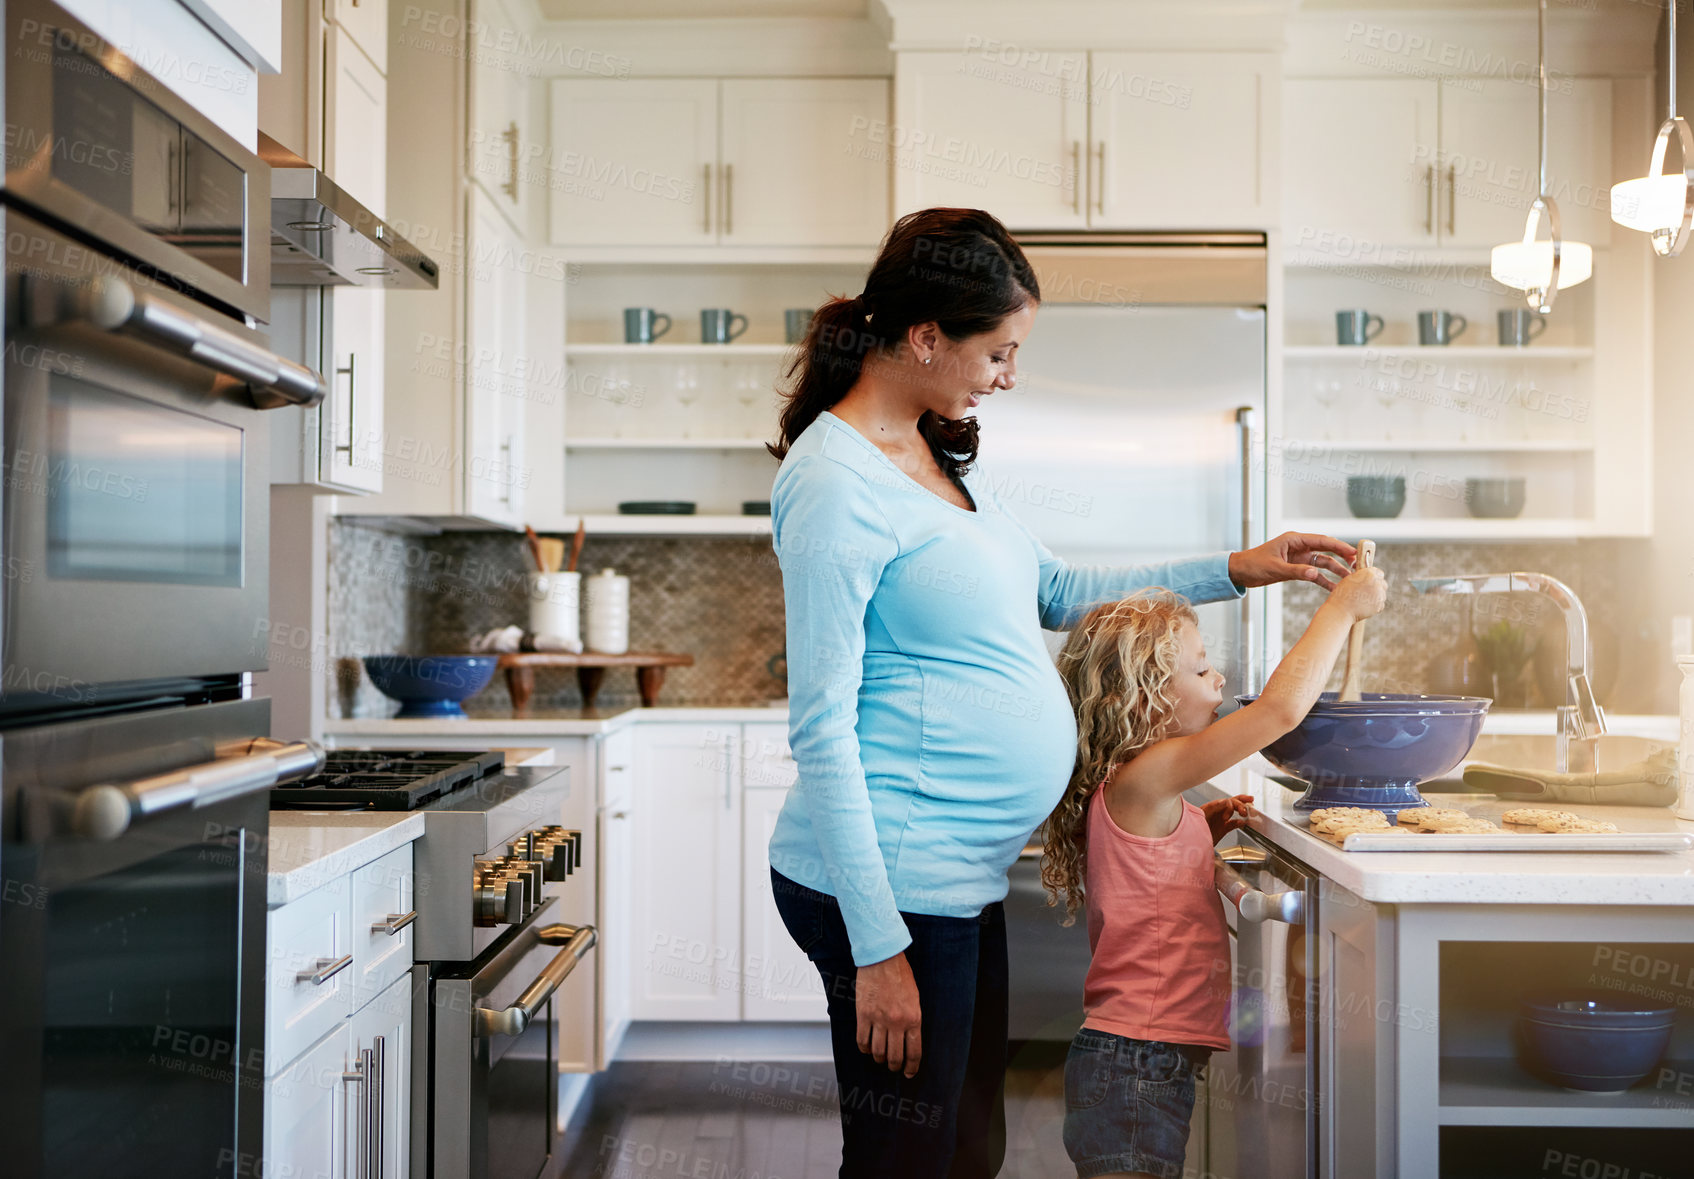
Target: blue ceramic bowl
(430,685)
(1373,752)
(1592,1043)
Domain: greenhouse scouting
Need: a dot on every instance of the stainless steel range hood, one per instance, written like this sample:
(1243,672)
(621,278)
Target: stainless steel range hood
(322,237)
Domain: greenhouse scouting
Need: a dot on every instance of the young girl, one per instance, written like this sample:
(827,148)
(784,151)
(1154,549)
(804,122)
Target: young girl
(1146,700)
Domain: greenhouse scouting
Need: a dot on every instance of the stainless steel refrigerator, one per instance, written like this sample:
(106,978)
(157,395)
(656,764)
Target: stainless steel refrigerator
(1134,434)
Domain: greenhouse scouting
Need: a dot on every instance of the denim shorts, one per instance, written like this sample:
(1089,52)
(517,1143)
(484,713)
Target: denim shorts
(1128,1103)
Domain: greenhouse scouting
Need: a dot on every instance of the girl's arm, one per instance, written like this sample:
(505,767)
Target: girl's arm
(1171,766)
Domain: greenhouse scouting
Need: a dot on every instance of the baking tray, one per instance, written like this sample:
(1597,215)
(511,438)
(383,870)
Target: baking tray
(1529,841)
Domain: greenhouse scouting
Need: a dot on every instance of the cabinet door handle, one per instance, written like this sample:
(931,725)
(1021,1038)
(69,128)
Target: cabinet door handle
(361,1075)
(510,135)
(618,815)
(1100,167)
(728,199)
(1076,176)
(394,922)
(506,449)
(1450,200)
(1429,199)
(379,1071)
(706,200)
(352,384)
(326,969)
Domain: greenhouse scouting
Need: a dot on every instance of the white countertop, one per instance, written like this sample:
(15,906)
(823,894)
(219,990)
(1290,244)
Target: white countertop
(561,723)
(309,849)
(1496,878)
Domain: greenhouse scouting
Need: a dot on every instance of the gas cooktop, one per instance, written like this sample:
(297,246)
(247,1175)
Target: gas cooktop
(385,779)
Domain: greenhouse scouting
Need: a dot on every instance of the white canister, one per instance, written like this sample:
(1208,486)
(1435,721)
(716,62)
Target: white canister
(1685,753)
(555,606)
(608,612)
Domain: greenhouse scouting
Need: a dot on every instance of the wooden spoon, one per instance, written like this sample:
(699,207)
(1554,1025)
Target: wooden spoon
(1356,637)
(534,548)
(576,543)
(552,553)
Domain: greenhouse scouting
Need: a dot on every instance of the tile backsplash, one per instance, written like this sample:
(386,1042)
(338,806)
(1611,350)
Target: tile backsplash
(718,599)
(1416,629)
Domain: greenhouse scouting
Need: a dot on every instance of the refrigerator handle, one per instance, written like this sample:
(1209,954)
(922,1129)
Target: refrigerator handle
(1246,425)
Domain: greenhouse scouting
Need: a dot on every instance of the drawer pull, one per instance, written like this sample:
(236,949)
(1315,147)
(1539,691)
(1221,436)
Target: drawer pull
(394,922)
(326,969)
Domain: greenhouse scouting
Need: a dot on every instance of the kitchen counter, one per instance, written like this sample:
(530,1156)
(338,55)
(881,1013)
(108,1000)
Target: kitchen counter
(1509,878)
(308,849)
(560,723)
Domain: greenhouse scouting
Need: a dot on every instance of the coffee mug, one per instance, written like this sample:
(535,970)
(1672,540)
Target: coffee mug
(717,326)
(641,325)
(1440,327)
(1519,326)
(1353,328)
(796,322)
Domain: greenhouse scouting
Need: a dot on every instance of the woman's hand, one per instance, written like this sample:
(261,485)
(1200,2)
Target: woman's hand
(890,1020)
(1293,556)
(1224,815)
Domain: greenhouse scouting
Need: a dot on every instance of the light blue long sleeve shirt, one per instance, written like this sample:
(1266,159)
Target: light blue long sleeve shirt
(931,729)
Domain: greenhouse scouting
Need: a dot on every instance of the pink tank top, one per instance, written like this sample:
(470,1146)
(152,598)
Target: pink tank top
(1161,966)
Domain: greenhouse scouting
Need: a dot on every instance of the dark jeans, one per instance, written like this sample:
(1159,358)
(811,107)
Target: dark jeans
(949,1121)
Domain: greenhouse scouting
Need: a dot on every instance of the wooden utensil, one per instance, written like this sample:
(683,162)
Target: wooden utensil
(1356,637)
(534,548)
(552,553)
(576,544)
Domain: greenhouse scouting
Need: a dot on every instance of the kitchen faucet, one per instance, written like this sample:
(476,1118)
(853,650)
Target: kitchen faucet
(1581,720)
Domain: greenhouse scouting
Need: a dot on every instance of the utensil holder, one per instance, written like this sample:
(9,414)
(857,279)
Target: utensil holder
(555,605)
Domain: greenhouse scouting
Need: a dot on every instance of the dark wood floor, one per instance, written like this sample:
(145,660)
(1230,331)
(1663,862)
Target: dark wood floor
(772,1121)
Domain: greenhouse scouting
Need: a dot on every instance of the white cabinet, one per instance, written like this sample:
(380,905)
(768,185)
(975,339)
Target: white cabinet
(798,163)
(743,162)
(366,21)
(1160,140)
(1179,140)
(355,121)
(980,134)
(350,418)
(308,988)
(617,884)
(378,1135)
(1448,162)
(687,872)
(495,473)
(1359,163)
(502,134)
(383,913)
(306,1112)
(634,162)
(779,982)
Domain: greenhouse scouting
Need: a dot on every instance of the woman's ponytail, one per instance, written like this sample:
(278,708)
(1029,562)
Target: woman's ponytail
(957,268)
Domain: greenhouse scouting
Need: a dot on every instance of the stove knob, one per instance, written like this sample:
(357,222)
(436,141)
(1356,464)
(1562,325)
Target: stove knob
(499,899)
(534,875)
(555,853)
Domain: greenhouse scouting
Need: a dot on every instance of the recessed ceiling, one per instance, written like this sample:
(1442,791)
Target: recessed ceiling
(695,9)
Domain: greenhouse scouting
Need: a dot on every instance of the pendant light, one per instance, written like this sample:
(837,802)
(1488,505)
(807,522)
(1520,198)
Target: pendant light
(1541,269)
(1661,203)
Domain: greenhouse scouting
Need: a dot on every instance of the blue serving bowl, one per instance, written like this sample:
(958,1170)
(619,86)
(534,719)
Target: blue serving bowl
(430,685)
(1373,752)
(1593,1043)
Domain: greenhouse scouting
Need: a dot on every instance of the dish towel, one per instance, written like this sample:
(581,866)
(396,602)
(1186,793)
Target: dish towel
(1649,782)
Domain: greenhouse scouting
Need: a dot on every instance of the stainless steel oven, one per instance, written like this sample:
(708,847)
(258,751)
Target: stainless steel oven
(132,932)
(135,455)
(1260,1100)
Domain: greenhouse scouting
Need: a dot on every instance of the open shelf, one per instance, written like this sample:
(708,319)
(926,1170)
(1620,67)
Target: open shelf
(613,524)
(1391,446)
(1494,1091)
(1531,352)
(664,444)
(730,351)
(1456,528)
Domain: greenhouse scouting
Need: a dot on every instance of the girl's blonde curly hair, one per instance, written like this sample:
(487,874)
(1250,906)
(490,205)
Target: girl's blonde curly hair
(1117,665)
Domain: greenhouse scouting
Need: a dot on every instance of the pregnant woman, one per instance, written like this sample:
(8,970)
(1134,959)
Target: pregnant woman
(930,726)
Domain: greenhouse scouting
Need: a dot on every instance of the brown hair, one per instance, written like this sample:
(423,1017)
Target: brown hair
(957,268)
(1117,665)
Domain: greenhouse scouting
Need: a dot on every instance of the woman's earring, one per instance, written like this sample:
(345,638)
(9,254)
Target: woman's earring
(927,359)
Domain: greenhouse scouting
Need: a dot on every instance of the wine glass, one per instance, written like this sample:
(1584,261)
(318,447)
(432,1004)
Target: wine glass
(1387,390)
(749,389)
(1326,393)
(687,393)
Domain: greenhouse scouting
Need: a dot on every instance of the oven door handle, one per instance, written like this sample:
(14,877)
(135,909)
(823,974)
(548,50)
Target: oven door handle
(113,305)
(1254,905)
(577,940)
(106,811)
